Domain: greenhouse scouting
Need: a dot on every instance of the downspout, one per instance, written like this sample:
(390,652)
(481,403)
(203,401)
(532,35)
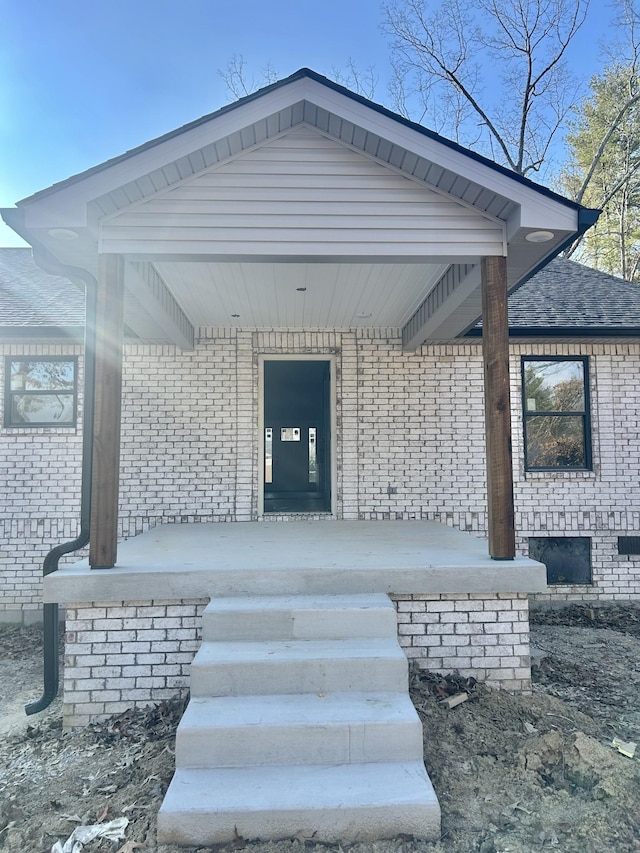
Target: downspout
(50,611)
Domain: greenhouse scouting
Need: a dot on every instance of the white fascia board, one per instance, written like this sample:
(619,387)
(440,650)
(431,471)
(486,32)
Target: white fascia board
(56,212)
(67,205)
(538,209)
(70,201)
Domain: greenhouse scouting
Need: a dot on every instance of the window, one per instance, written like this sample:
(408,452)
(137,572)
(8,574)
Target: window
(628,545)
(40,391)
(555,395)
(567,558)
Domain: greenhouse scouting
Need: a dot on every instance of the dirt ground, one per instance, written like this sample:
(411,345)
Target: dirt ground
(513,773)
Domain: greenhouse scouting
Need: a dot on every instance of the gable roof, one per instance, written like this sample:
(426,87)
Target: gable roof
(303,178)
(301,74)
(565,299)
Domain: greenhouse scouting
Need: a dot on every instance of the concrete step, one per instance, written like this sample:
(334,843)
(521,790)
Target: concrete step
(353,802)
(333,728)
(299,724)
(298,666)
(298,617)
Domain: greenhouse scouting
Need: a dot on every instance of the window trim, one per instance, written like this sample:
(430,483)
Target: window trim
(9,392)
(585,416)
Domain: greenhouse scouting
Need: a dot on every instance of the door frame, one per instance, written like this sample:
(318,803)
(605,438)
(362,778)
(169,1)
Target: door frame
(333,420)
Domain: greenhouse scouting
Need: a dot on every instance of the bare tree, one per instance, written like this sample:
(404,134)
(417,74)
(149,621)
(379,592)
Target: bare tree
(624,64)
(240,82)
(362,81)
(492,74)
(603,163)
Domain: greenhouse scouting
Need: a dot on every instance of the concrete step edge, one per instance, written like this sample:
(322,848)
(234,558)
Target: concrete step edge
(287,709)
(326,803)
(299,617)
(298,729)
(262,603)
(240,652)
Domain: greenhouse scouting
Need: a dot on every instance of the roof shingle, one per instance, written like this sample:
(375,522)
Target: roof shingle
(31,297)
(568,295)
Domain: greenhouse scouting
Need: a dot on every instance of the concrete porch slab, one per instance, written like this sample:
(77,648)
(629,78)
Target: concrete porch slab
(296,557)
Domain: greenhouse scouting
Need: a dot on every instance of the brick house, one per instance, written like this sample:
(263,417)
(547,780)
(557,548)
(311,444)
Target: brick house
(283,303)
(566,311)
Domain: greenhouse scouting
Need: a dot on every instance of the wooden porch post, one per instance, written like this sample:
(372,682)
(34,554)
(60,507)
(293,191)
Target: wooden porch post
(497,402)
(108,388)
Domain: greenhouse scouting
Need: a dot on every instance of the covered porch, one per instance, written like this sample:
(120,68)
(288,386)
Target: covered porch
(300,209)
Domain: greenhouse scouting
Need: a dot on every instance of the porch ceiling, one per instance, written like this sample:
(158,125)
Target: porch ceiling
(315,295)
(302,185)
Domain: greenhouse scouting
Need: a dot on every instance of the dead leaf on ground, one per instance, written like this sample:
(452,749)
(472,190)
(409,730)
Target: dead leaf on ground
(238,842)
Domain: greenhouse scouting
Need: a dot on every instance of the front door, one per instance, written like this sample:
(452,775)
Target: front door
(297,457)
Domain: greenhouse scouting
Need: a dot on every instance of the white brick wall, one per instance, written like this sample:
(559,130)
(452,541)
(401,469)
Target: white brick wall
(121,655)
(409,444)
(601,504)
(39,495)
(481,635)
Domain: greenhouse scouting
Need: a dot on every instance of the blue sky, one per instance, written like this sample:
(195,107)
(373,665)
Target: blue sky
(84,81)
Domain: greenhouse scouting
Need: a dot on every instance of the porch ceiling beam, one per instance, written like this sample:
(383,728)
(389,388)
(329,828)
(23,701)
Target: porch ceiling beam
(147,290)
(107,409)
(457,284)
(495,349)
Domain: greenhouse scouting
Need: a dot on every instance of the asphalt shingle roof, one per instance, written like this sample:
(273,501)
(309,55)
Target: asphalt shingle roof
(568,295)
(31,297)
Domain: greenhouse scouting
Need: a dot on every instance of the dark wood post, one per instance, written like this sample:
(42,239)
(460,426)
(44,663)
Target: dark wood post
(497,403)
(108,390)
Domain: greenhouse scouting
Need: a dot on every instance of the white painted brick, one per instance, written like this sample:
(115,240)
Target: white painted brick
(483,616)
(410,629)
(456,663)
(428,640)
(393,409)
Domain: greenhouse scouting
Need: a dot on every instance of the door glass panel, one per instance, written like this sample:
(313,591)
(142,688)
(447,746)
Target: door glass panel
(268,455)
(313,467)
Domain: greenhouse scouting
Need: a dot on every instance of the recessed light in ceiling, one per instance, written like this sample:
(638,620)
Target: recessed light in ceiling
(63,234)
(540,236)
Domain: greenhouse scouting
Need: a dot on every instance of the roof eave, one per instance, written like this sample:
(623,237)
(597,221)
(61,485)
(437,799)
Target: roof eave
(565,332)
(301,74)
